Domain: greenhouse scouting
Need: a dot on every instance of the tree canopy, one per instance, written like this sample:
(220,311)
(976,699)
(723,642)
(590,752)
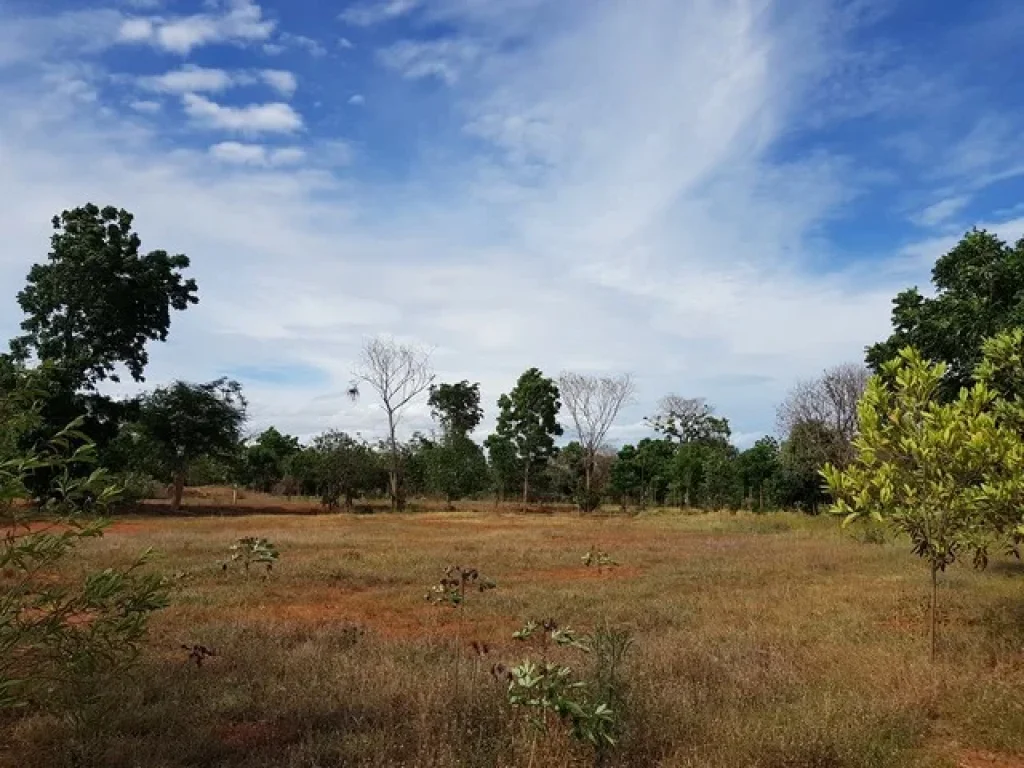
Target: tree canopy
(96,301)
(979,292)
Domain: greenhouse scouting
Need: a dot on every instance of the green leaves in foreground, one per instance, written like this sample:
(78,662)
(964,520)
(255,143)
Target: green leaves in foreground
(60,639)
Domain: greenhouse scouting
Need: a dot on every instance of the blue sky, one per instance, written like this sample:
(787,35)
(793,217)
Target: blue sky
(719,196)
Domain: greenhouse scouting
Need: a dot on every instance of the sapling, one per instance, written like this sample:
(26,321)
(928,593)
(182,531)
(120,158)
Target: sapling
(252,549)
(455,585)
(599,558)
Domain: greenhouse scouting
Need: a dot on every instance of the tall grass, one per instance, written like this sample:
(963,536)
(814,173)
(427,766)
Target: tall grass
(769,641)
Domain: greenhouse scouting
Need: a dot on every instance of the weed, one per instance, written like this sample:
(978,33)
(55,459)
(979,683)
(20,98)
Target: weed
(595,557)
(251,550)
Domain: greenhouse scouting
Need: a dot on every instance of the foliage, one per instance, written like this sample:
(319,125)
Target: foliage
(338,466)
(250,550)
(979,287)
(266,460)
(801,458)
(599,558)
(456,467)
(688,420)
(528,420)
(545,687)
(456,407)
(60,643)
(949,475)
(182,422)
(757,466)
(451,589)
(643,472)
(502,464)
(97,301)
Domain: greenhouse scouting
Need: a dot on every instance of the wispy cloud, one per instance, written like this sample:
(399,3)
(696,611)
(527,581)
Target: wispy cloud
(308,44)
(942,211)
(444,59)
(145,106)
(275,117)
(370,12)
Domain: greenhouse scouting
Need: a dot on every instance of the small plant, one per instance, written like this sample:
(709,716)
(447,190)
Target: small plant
(198,653)
(547,689)
(250,550)
(451,589)
(596,557)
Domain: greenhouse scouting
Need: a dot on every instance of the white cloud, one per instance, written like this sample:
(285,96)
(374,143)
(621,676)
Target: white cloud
(273,49)
(620,205)
(369,12)
(274,117)
(135,30)
(241,22)
(311,46)
(281,80)
(189,79)
(344,42)
(357,99)
(145,106)
(445,59)
(256,154)
(942,211)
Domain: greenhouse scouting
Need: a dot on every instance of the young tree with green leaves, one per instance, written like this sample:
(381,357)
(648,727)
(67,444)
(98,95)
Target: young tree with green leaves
(948,474)
(182,422)
(61,641)
(97,301)
(456,466)
(265,462)
(456,407)
(342,467)
(528,420)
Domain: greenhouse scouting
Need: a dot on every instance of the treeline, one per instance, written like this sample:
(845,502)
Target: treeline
(94,304)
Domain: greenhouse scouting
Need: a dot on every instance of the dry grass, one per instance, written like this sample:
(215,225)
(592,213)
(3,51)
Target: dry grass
(769,641)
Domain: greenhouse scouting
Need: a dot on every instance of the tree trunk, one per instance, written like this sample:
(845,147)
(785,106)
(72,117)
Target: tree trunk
(760,495)
(393,470)
(179,490)
(934,607)
(588,471)
(526,486)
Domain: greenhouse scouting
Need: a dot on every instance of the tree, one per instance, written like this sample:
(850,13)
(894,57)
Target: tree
(456,468)
(721,485)
(266,459)
(342,467)
(456,407)
(688,420)
(979,292)
(528,420)
(948,474)
(758,465)
(97,301)
(398,373)
(831,401)
(184,421)
(502,464)
(801,458)
(593,404)
(643,472)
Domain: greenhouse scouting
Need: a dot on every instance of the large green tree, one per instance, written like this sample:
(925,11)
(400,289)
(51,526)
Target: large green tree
(183,422)
(758,465)
(456,407)
(96,301)
(266,459)
(528,420)
(456,466)
(641,474)
(979,292)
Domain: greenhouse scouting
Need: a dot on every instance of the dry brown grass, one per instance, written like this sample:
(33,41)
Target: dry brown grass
(770,641)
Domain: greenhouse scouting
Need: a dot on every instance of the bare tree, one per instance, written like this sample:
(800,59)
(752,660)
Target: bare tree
(398,373)
(688,420)
(829,401)
(594,404)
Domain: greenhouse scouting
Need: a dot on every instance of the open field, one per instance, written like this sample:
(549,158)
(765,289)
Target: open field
(772,641)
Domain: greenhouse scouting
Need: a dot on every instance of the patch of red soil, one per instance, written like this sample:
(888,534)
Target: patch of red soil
(978,759)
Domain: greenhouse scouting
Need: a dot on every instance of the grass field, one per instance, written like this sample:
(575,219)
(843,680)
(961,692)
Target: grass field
(773,641)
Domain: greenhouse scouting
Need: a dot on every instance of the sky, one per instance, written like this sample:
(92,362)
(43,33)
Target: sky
(720,197)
